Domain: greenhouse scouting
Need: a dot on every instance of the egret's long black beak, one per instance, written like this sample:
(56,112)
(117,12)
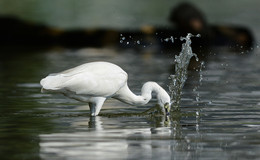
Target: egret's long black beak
(167,109)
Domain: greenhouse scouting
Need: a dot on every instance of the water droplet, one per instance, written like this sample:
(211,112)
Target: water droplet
(172,39)
(138,42)
(169,39)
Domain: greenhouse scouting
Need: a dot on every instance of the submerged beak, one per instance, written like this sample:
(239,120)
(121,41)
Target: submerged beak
(167,108)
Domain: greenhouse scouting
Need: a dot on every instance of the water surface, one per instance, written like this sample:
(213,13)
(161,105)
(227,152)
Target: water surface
(224,123)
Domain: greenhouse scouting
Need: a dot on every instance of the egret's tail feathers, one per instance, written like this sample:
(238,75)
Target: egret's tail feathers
(52,82)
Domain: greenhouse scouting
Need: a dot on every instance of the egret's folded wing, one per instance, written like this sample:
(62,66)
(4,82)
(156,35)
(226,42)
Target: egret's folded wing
(93,84)
(94,79)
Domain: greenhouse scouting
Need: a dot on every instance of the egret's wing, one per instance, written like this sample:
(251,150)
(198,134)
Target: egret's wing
(94,79)
(54,81)
(95,84)
(77,70)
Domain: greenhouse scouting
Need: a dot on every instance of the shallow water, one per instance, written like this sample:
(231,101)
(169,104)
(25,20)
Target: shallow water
(224,124)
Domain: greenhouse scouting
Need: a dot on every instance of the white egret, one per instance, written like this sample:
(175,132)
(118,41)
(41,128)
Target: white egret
(96,81)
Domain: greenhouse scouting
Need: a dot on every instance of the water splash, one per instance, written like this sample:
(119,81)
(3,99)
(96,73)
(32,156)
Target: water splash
(181,65)
(195,89)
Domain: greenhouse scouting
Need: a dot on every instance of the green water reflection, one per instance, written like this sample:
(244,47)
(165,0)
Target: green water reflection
(19,124)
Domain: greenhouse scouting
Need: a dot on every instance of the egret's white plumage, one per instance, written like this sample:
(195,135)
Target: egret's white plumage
(96,81)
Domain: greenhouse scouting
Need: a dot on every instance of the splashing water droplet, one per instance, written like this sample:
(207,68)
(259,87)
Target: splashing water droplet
(202,65)
(195,89)
(121,38)
(169,39)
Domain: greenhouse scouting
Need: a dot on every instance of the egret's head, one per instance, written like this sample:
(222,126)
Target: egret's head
(164,101)
(167,108)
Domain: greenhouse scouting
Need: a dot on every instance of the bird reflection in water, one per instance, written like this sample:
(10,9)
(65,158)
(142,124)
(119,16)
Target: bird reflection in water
(113,135)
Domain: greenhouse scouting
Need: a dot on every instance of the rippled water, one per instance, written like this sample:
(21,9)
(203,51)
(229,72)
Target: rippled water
(224,124)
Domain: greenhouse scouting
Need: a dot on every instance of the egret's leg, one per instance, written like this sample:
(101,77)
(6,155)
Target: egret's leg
(99,104)
(92,107)
(96,106)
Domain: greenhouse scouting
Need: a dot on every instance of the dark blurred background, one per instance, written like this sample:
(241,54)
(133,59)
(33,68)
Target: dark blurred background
(91,21)
(67,14)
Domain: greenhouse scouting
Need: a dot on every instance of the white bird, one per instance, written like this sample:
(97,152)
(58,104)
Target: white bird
(96,81)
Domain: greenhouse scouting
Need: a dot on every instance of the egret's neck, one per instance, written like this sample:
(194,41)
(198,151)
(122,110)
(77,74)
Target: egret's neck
(147,90)
(127,96)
